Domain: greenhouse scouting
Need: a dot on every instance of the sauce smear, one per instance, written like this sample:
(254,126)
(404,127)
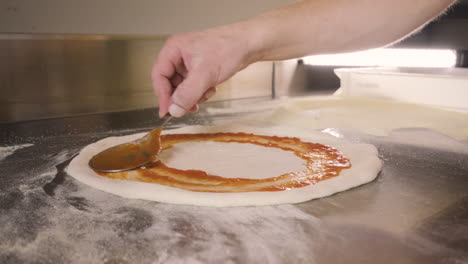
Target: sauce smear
(321,162)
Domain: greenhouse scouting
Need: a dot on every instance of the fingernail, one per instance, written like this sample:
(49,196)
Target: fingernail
(161,114)
(176,111)
(209,94)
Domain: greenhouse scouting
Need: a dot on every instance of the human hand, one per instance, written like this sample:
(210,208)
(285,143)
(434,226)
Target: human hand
(191,65)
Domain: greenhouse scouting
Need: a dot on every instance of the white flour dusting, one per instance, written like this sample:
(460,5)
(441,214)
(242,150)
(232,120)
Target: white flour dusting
(187,234)
(7,151)
(91,226)
(79,224)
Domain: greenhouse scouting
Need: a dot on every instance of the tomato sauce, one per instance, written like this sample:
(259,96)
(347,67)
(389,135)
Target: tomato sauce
(321,162)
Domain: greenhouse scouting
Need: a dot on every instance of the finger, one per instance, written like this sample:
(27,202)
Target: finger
(164,91)
(163,70)
(189,92)
(181,70)
(207,95)
(176,80)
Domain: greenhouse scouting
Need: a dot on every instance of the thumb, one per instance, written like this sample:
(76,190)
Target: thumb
(190,91)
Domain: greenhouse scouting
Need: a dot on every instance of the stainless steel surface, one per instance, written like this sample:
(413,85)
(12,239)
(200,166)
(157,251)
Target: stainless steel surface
(416,211)
(130,155)
(125,17)
(44,76)
(49,76)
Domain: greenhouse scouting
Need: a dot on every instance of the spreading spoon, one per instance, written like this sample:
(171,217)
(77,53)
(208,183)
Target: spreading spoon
(131,155)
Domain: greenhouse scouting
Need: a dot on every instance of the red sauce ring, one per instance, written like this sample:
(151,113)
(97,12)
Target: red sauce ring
(321,162)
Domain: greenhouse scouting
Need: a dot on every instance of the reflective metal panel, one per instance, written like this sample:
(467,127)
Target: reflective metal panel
(44,76)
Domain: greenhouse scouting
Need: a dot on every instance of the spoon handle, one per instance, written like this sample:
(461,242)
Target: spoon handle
(166,119)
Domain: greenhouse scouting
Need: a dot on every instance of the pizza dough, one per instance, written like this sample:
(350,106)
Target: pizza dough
(254,162)
(370,116)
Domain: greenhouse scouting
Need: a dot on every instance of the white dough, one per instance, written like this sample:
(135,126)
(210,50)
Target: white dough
(371,116)
(258,162)
(232,160)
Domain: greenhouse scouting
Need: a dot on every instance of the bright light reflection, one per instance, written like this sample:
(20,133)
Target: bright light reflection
(333,131)
(427,58)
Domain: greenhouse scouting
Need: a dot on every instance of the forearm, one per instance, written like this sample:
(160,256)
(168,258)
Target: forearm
(191,65)
(333,26)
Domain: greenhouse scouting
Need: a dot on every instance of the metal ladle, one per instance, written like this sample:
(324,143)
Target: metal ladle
(131,155)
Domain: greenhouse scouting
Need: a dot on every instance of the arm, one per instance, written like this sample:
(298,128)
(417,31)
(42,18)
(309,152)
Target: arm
(191,65)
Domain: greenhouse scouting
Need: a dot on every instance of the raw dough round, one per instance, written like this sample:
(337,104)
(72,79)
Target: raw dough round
(364,159)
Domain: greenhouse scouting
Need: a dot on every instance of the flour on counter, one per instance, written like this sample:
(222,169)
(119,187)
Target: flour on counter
(95,223)
(84,225)
(7,151)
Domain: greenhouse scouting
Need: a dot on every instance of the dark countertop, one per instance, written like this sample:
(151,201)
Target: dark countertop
(416,211)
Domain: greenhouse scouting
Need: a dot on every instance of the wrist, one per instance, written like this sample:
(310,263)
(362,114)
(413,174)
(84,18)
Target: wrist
(244,36)
(253,39)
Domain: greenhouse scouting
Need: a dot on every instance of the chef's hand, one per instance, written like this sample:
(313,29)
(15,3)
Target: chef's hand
(191,65)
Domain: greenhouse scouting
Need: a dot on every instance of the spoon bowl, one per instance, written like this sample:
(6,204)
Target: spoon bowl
(131,155)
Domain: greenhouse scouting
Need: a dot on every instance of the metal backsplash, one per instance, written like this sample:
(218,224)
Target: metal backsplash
(43,76)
